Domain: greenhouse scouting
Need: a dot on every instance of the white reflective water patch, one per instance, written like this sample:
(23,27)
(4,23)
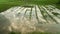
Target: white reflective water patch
(40,15)
(20,11)
(23,18)
(56,18)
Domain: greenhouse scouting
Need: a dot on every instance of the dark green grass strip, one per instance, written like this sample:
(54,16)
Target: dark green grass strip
(51,17)
(20,11)
(37,16)
(25,13)
(42,12)
(39,32)
(30,14)
(15,32)
(54,13)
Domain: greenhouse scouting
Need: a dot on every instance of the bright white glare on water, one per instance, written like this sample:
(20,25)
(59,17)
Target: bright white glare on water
(43,18)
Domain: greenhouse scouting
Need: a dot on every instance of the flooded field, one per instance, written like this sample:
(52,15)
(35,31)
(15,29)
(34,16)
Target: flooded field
(31,18)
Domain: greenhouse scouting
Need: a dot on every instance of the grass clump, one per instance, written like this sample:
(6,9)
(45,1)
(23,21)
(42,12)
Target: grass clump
(39,33)
(15,33)
(34,32)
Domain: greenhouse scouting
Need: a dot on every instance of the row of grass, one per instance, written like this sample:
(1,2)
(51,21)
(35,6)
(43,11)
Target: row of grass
(35,32)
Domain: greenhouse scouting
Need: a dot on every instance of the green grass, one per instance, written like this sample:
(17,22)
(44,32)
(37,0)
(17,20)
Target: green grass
(15,33)
(5,4)
(34,33)
(38,33)
(30,33)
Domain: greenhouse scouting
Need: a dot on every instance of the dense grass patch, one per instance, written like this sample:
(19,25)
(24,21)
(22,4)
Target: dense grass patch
(34,33)
(39,33)
(5,4)
(15,33)
(30,33)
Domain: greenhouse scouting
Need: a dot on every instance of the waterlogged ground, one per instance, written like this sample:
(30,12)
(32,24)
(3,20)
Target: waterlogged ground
(30,19)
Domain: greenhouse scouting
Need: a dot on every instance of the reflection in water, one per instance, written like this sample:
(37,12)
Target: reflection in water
(4,24)
(25,19)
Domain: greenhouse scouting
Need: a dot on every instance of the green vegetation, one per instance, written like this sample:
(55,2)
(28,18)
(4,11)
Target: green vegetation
(5,4)
(30,33)
(39,33)
(15,33)
(33,33)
